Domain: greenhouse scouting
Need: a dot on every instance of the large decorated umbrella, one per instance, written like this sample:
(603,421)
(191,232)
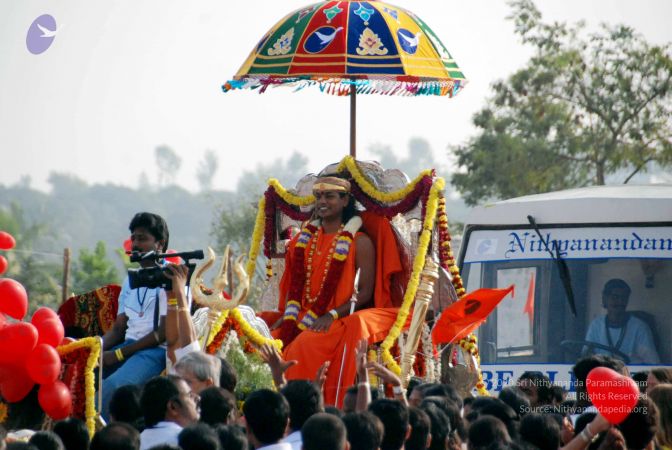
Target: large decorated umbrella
(349,47)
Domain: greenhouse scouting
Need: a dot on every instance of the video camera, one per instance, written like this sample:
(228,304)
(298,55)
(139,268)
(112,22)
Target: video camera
(153,277)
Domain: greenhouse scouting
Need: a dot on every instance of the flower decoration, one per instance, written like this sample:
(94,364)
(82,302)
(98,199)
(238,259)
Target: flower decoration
(75,353)
(426,190)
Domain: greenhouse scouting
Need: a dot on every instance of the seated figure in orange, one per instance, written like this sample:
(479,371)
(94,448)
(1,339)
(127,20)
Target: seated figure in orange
(318,292)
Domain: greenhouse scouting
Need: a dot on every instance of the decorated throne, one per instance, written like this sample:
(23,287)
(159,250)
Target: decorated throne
(428,281)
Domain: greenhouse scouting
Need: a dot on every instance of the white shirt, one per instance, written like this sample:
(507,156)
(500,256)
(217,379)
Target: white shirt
(637,340)
(161,433)
(138,305)
(278,446)
(294,439)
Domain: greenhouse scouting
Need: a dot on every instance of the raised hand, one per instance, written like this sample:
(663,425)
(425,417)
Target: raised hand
(271,356)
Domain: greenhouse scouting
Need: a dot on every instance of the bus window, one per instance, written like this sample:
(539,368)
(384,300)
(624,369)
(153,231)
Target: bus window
(516,340)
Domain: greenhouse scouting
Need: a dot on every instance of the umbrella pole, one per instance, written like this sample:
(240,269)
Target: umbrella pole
(353,120)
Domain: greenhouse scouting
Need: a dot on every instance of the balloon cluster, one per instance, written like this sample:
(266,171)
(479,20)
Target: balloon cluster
(7,242)
(28,353)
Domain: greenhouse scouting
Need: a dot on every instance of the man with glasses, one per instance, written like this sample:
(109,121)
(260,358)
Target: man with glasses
(168,405)
(619,330)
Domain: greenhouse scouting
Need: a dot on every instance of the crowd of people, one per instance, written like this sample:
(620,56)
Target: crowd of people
(197,410)
(160,391)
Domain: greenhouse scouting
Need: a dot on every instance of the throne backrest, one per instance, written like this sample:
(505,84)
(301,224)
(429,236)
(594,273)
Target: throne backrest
(90,314)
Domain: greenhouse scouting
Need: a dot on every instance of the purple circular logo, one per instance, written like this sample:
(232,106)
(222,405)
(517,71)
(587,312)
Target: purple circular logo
(41,34)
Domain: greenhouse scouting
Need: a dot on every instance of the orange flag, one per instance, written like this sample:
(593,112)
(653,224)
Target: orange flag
(529,304)
(465,315)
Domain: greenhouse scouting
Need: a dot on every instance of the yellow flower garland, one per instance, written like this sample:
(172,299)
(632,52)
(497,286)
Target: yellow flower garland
(94,346)
(384,197)
(432,207)
(418,264)
(290,198)
(256,238)
(217,326)
(253,335)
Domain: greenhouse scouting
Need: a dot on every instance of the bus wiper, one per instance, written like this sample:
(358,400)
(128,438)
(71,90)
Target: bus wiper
(563,270)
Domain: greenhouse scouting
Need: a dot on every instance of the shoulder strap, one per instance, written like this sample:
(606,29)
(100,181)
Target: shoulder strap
(156,310)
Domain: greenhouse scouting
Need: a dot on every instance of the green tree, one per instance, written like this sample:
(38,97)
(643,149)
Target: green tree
(586,106)
(168,163)
(93,270)
(38,271)
(206,170)
(420,157)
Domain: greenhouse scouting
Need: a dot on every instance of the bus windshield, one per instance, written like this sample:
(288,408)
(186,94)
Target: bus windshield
(621,284)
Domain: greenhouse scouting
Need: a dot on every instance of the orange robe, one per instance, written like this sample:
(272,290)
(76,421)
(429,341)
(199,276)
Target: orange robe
(311,349)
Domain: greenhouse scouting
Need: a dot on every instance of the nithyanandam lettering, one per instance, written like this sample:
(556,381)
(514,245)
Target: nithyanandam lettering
(528,243)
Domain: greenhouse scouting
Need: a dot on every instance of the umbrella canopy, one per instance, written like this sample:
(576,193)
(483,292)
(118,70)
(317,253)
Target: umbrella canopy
(387,49)
(349,47)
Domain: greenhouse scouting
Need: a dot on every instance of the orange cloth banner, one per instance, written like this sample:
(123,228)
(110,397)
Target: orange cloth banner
(465,315)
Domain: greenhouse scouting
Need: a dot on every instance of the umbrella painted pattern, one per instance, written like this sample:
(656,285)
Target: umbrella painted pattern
(377,47)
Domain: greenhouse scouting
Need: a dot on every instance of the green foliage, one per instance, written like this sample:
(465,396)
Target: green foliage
(93,270)
(168,163)
(207,169)
(584,107)
(38,272)
(253,374)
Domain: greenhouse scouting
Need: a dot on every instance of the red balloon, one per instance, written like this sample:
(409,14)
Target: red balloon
(13,298)
(50,331)
(7,241)
(3,264)
(613,394)
(43,313)
(17,340)
(3,320)
(128,245)
(43,364)
(16,383)
(55,399)
(173,259)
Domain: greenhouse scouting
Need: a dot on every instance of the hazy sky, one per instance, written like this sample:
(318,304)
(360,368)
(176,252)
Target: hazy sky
(123,77)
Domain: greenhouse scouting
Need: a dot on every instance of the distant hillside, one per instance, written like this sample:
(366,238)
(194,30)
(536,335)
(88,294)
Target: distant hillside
(79,215)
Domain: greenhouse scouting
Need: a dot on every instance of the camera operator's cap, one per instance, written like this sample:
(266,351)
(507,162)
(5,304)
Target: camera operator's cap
(331,184)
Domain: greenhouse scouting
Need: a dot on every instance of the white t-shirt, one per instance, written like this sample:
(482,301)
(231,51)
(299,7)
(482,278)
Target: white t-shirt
(138,305)
(161,433)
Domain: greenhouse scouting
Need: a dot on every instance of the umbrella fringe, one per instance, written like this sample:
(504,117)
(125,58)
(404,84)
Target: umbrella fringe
(398,86)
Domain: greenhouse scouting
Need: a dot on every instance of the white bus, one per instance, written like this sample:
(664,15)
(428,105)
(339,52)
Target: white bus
(559,250)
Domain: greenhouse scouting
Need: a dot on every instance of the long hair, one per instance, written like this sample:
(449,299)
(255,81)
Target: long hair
(662,397)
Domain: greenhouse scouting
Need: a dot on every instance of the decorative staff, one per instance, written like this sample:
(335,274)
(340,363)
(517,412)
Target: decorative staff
(214,298)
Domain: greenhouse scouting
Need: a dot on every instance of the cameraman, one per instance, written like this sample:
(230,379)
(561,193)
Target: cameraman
(133,350)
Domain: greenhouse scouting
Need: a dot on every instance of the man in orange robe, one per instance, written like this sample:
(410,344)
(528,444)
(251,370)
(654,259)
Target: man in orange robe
(334,334)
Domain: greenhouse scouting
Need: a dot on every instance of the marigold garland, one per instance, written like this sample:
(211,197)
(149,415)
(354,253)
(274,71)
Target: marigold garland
(256,237)
(253,335)
(288,197)
(421,188)
(4,412)
(93,344)
(414,281)
(350,164)
(446,256)
(229,319)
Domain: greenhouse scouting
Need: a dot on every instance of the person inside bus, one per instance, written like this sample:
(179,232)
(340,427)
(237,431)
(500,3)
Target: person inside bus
(621,330)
